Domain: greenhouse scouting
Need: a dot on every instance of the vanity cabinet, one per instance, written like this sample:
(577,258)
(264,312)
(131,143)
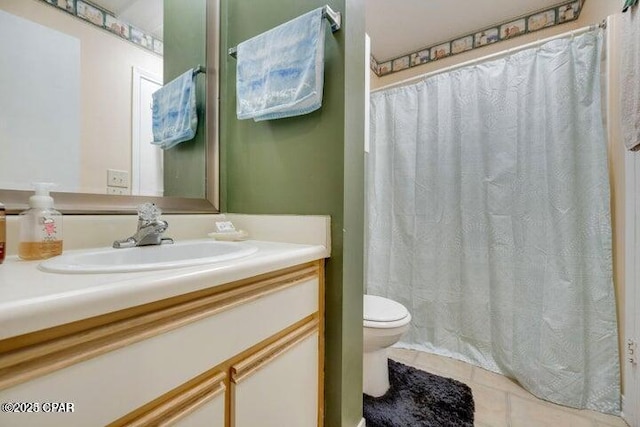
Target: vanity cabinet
(247,353)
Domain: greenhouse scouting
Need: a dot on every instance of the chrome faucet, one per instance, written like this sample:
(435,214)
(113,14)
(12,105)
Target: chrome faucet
(150,229)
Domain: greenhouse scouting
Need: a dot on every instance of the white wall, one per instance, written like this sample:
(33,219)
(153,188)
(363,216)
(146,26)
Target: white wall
(39,105)
(106,63)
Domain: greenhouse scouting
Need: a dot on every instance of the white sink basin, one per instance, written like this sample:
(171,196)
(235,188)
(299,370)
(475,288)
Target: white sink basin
(146,258)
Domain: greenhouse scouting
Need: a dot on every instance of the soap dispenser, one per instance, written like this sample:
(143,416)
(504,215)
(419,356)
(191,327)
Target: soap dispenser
(40,226)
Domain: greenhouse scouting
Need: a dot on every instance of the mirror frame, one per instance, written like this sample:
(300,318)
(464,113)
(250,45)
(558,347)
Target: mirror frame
(16,201)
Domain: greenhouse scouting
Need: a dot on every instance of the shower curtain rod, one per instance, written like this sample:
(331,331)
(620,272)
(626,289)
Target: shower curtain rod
(410,80)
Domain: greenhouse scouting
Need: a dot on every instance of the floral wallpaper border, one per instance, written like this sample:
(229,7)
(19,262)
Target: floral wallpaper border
(105,20)
(559,14)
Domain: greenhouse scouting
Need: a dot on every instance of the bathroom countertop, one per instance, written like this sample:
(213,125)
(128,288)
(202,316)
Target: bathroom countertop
(31,299)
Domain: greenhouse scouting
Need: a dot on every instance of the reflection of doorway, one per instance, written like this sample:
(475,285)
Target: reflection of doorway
(146,159)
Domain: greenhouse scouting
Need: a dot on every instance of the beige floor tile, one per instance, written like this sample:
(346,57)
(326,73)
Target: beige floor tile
(514,388)
(443,366)
(528,413)
(403,355)
(607,420)
(500,382)
(620,423)
(490,406)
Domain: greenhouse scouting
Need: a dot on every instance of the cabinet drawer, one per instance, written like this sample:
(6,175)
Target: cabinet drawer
(183,345)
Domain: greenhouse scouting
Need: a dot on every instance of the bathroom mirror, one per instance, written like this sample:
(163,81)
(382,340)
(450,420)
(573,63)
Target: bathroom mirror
(87,128)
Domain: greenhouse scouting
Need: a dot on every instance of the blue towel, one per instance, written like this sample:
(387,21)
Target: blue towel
(280,73)
(174,112)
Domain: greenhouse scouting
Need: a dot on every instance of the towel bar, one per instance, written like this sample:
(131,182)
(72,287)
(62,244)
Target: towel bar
(334,18)
(199,69)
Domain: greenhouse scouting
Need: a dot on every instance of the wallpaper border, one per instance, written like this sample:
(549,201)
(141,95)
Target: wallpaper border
(105,20)
(559,14)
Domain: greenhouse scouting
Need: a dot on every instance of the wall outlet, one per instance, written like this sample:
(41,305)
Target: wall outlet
(118,191)
(117,178)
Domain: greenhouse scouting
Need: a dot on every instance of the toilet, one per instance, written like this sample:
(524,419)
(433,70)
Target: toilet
(385,321)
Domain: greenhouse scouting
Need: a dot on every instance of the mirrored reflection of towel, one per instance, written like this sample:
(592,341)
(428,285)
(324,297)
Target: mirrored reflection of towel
(630,78)
(174,112)
(280,73)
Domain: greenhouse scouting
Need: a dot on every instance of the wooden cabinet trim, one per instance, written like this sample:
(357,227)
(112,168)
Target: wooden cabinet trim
(32,355)
(178,403)
(254,362)
(321,342)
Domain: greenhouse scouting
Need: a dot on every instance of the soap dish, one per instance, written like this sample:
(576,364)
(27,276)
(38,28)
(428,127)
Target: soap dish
(230,236)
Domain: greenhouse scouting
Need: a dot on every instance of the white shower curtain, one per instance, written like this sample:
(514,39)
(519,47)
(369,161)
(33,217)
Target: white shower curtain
(489,219)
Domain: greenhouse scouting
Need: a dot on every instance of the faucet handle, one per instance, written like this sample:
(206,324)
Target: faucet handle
(148,211)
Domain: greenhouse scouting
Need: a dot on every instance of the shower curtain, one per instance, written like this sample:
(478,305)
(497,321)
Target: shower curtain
(489,219)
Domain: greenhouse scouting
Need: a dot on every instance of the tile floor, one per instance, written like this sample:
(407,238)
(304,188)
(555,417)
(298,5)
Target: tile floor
(501,402)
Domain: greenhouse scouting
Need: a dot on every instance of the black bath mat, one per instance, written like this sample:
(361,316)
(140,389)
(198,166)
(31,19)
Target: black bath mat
(420,399)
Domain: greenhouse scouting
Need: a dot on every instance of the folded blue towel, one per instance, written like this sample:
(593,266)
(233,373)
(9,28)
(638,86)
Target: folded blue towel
(174,112)
(280,73)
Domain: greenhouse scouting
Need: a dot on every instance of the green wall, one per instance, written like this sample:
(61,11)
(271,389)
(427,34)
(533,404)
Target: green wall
(311,164)
(352,286)
(184,48)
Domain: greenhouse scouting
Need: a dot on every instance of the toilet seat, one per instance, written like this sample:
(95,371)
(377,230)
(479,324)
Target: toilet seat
(383,313)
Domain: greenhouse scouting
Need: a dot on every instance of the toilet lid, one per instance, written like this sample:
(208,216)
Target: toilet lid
(379,309)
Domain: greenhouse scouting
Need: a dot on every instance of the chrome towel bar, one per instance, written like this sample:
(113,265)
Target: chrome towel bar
(334,18)
(199,69)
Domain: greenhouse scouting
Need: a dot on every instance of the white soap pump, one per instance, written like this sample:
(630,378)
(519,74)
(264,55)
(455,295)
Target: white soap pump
(40,226)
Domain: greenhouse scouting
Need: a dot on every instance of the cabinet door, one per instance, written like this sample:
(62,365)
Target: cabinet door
(210,414)
(278,387)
